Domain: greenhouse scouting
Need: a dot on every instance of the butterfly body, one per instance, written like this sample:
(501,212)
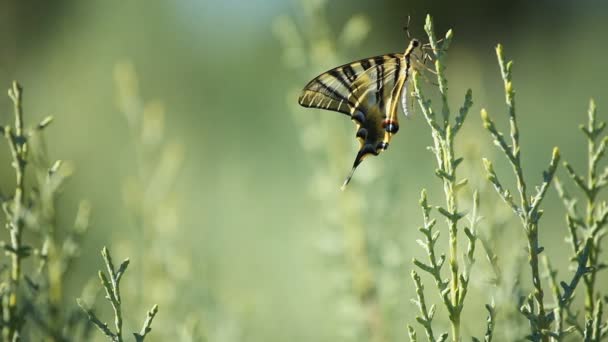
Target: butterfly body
(368,91)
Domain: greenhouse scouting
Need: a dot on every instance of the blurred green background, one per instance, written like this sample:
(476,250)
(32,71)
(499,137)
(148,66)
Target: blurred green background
(248,251)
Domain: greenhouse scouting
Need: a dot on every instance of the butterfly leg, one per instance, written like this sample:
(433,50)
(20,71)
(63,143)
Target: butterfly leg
(426,78)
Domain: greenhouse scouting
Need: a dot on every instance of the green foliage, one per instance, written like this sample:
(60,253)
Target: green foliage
(586,231)
(15,214)
(32,298)
(33,284)
(487,297)
(34,303)
(453,291)
(511,298)
(111,285)
(546,321)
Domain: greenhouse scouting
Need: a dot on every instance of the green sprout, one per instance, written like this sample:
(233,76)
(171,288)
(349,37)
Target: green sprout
(111,285)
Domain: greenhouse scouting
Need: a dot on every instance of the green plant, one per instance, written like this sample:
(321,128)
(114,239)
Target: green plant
(14,210)
(111,285)
(586,230)
(33,293)
(515,299)
(34,305)
(545,323)
(453,291)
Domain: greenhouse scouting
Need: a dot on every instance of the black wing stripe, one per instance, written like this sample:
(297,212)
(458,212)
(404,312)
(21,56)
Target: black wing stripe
(398,70)
(307,100)
(334,93)
(338,76)
(379,60)
(365,64)
(350,73)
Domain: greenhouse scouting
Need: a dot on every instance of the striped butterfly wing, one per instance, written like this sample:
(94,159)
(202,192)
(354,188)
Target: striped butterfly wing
(368,91)
(333,90)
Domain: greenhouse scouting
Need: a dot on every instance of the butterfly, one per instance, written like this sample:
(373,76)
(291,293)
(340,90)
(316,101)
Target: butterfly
(368,91)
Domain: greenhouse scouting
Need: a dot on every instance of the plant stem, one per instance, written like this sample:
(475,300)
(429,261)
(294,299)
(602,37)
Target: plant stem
(111,285)
(18,146)
(528,209)
(451,202)
(443,133)
(590,220)
(533,250)
(444,141)
(590,225)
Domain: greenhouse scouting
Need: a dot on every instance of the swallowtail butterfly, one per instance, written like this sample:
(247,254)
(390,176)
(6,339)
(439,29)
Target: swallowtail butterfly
(368,91)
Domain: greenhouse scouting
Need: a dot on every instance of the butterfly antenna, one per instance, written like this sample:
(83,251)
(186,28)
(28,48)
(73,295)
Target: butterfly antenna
(407,27)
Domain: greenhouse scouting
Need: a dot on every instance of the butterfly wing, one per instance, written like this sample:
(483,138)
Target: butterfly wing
(376,93)
(368,91)
(332,90)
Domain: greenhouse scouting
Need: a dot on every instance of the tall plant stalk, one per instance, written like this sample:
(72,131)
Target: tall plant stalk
(589,228)
(444,130)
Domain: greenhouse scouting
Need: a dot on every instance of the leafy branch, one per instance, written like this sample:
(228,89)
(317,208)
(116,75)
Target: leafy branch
(490,323)
(453,291)
(587,230)
(111,285)
(33,296)
(426,315)
(14,211)
(527,209)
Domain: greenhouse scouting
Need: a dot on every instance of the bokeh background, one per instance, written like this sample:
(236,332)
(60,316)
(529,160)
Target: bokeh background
(181,123)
